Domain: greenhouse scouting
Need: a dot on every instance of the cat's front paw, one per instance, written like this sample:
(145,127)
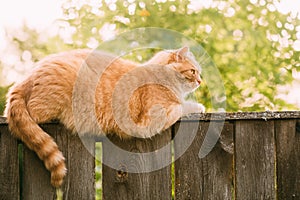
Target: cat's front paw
(200,108)
(192,107)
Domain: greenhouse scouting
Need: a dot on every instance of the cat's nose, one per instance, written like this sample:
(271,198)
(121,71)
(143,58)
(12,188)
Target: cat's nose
(198,80)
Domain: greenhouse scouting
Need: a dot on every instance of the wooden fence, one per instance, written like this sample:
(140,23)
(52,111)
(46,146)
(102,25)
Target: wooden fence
(264,163)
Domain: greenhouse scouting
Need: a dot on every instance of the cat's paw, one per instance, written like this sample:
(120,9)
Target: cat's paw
(200,108)
(192,107)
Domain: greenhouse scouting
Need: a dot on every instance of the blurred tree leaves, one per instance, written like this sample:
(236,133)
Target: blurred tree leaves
(250,43)
(3,92)
(245,40)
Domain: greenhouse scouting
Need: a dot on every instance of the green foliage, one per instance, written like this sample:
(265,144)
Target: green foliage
(239,36)
(250,43)
(98,170)
(27,39)
(3,91)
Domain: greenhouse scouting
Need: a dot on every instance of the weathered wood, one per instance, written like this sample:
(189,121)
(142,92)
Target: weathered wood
(288,159)
(255,160)
(9,165)
(35,179)
(79,182)
(206,178)
(121,185)
(266,162)
(268,115)
(3,120)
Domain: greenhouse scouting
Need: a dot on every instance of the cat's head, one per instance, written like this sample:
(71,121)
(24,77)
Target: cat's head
(183,62)
(188,76)
(173,56)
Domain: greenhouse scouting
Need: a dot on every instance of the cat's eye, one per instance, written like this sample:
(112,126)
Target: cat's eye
(193,71)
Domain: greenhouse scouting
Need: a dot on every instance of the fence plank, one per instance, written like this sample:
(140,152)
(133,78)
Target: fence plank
(255,160)
(288,157)
(80,180)
(206,178)
(36,179)
(118,184)
(80,165)
(9,165)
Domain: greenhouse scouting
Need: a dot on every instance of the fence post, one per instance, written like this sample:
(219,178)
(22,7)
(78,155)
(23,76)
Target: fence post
(206,178)
(118,184)
(266,162)
(79,182)
(288,158)
(9,164)
(255,159)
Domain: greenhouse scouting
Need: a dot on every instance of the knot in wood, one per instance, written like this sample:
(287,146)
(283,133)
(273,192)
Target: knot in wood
(122,173)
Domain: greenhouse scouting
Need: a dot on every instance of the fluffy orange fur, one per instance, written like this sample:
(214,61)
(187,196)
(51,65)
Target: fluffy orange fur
(48,93)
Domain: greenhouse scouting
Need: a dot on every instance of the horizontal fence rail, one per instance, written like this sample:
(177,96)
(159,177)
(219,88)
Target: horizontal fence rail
(257,156)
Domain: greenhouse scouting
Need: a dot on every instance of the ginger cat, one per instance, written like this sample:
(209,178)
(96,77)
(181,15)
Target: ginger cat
(121,105)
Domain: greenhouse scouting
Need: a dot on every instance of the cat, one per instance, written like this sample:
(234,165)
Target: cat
(58,89)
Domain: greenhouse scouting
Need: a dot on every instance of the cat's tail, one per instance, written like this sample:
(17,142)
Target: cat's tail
(25,128)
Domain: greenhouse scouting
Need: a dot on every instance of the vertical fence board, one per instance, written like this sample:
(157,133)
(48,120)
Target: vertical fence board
(288,157)
(118,184)
(260,147)
(79,182)
(36,179)
(9,165)
(255,160)
(206,178)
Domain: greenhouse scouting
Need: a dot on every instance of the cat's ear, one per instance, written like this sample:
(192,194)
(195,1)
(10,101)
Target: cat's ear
(181,53)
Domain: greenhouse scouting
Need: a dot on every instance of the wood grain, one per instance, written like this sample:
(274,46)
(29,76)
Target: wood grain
(268,115)
(264,163)
(255,160)
(206,178)
(35,178)
(9,165)
(121,185)
(288,159)
(79,182)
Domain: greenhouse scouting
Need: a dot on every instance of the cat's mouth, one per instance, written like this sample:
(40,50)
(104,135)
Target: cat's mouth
(197,82)
(194,86)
